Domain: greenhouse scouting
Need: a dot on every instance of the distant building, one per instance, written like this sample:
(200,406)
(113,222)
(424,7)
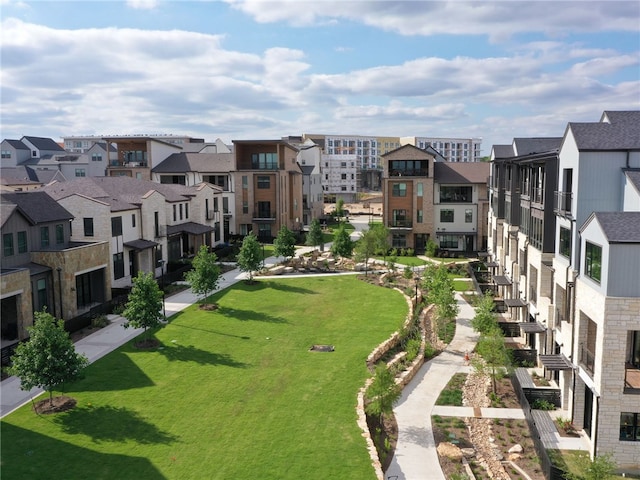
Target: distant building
(452,149)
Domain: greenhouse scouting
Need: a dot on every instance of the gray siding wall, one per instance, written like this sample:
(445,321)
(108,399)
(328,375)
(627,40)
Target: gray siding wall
(624,265)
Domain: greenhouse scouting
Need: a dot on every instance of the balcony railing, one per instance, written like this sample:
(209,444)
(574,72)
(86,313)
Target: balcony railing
(587,359)
(409,173)
(264,214)
(400,224)
(562,203)
(537,195)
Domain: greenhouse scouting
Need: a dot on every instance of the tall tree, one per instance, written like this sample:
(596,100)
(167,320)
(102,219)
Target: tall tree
(205,275)
(144,305)
(249,258)
(383,393)
(49,358)
(342,244)
(285,243)
(314,237)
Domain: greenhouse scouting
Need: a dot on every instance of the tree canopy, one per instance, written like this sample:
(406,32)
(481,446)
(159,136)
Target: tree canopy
(144,305)
(48,359)
(314,237)
(383,393)
(342,244)
(205,275)
(285,243)
(249,258)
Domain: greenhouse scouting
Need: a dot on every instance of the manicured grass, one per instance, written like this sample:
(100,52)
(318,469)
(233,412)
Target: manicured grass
(462,285)
(232,394)
(569,461)
(408,261)
(452,393)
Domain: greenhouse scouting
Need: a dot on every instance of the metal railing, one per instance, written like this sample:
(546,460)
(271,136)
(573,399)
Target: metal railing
(562,203)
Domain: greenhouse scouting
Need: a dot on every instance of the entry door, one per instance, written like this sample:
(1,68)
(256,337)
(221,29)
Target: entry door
(133,263)
(469,243)
(588,410)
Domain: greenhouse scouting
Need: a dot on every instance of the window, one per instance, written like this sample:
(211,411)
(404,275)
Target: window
(22,242)
(175,212)
(133,220)
(44,236)
(468,216)
(186,211)
(400,219)
(7,244)
(264,181)
(116,226)
(630,427)
(80,172)
(180,211)
(59,233)
(456,194)
(118,265)
(449,241)
(245,206)
(399,190)
(343,176)
(96,157)
(88,227)
(245,182)
(264,161)
(419,216)
(225,205)
(565,242)
(156,224)
(399,240)
(446,216)
(419,187)
(6,153)
(593,261)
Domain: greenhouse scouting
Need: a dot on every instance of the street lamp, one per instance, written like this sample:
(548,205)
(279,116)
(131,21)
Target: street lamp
(164,312)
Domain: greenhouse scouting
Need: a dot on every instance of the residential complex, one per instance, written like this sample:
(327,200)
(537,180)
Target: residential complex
(564,230)
(452,149)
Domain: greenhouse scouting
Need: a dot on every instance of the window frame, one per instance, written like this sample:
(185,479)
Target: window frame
(447,215)
(399,189)
(59,233)
(8,249)
(23,247)
(87,223)
(593,266)
(564,244)
(45,240)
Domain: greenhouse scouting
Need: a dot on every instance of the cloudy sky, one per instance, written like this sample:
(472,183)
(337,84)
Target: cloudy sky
(265,69)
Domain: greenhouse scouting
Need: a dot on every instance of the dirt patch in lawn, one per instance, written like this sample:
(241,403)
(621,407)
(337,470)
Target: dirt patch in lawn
(57,404)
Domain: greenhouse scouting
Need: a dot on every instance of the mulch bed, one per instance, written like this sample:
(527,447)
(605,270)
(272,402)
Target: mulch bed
(58,404)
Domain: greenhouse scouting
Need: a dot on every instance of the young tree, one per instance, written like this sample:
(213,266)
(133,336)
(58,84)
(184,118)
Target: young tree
(441,294)
(205,275)
(249,258)
(144,305)
(49,358)
(485,318)
(495,354)
(342,244)
(314,237)
(383,393)
(285,243)
(381,234)
(602,467)
(365,247)
(340,208)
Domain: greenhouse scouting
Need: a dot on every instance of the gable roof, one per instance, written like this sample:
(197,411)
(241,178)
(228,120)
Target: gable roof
(503,151)
(43,143)
(196,162)
(634,178)
(37,206)
(19,175)
(618,130)
(528,146)
(17,144)
(618,227)
(461,172)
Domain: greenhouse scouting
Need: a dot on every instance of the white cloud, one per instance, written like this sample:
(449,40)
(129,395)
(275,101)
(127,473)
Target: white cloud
(142,4)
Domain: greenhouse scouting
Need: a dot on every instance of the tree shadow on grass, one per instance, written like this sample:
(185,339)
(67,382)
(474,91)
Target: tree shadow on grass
(215,332)
(277,285)
(27,454)
(180,353)
(248,315)
(111,424)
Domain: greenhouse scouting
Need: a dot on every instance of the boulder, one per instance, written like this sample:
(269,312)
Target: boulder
(517,448)
(449,450)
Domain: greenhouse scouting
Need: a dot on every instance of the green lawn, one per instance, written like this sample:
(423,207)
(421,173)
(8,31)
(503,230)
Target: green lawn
(462,285)
(407,261)
(232,394)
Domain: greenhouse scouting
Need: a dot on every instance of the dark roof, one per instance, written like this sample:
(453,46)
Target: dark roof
(42,143)
(17,144)
(461,172)
(17,175)
(121,193)
(37,206)
(307,169)
(618,130)
(503,151)
(634,178)
(140,244)
(196,162)
(191,228)
(528,146)
(619,227)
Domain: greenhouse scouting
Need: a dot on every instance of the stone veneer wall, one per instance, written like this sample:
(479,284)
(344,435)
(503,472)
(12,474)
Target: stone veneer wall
(403,379)
(19,281)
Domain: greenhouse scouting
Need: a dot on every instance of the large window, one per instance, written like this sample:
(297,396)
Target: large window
(446,216)
(399,190)
(630,427)
(44,236)
(7,244)
(593,261)
(59,233)
(264,182)
(456,194)
(96,157)
(468,216)
(449,241)
(88,227)
(400,219)
(118,265)
(565,242)
(116,226)
(264,161)
(399,240)
(22,242)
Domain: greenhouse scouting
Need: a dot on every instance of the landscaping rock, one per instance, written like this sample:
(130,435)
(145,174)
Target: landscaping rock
(517,448)
(449,450)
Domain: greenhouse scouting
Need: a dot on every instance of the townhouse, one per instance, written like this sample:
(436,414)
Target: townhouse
(146,225)
(424,199)
(269,192)
(575,276)
(42,267)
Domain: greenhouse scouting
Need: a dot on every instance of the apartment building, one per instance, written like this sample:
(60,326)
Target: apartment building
(452,149)
(145,224)
(575,276)
(42,267)
(424,199)
(137,155)
(269,190)
(83,143)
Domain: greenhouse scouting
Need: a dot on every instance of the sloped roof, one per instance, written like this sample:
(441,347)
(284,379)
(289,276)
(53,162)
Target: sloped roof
(528,146)
(43,143)
(18,175)
(618,227)
(37,206)
(622,117)
(503,151)
(618,130)
(121,193)
(634,178)
(307,169)
(17,144)
(461,172)
(196,162)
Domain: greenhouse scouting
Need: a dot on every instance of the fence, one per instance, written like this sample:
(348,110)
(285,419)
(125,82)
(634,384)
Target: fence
(82,321)
(550,471)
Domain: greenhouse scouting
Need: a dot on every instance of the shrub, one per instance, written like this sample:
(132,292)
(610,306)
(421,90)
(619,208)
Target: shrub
(540,404)
(99,321)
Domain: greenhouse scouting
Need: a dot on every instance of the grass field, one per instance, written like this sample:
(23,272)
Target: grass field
(231,394)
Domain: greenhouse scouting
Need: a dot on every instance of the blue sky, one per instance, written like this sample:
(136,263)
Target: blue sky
(260,69)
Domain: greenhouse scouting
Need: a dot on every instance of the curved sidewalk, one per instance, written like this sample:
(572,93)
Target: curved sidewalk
(416,457)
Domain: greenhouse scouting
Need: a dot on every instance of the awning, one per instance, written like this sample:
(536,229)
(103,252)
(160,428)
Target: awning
(140,244)
(192,228)
(515,302)
(532,327)
(492,264)
(501,280)
(555,362)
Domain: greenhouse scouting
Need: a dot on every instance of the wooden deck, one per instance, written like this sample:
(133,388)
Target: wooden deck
(632,378)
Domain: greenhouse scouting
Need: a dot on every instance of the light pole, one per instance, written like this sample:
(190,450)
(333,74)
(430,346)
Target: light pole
(164,312)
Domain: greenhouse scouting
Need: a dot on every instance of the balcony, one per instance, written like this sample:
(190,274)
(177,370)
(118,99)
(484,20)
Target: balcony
(562,203)
(587,359)
(410,173)
(264,216)
(537,195)
(400,224)
(631,379)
